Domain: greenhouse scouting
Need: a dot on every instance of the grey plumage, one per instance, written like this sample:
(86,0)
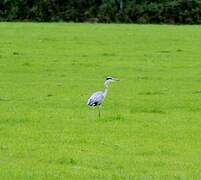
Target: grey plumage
(97,98)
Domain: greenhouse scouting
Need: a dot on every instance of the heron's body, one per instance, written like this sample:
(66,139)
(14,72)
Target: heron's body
(96,99)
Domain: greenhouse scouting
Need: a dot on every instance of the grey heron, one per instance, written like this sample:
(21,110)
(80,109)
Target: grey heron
(97,98)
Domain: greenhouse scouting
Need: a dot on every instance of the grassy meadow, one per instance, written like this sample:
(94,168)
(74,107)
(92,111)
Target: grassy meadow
(151,120)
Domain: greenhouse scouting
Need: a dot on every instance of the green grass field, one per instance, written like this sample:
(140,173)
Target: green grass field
(151,120)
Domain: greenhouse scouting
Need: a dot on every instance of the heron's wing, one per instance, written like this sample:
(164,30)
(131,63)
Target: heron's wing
(95,99)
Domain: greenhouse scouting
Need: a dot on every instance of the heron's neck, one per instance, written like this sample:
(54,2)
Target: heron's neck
(105,91)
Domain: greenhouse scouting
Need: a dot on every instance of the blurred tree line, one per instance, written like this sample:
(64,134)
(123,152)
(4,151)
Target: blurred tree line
(124,11)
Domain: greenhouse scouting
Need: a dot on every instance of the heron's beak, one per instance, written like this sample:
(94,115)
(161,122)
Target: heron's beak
(116,79)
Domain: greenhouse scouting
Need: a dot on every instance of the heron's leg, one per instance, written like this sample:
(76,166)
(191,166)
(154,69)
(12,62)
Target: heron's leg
(99,112)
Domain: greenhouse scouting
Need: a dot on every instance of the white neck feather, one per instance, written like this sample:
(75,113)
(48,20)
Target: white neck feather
(105,91)
(106,88)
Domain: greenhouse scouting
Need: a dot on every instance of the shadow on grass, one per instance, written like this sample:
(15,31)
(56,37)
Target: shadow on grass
(26,64)
(152,93)
(147,110)
(108,54)
(140,77)
(157,152)
(2,99)
(197,92)
(16,53)
(164,51)
(115,117)
(194,109)
(13,121)
(66,161)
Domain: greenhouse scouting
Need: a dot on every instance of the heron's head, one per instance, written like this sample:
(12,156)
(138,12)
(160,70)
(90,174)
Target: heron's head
(109,80)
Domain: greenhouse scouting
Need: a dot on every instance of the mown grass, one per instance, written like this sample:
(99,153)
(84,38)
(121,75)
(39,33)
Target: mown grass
(151,120)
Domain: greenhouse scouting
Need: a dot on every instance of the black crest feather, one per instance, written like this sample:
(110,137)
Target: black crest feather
(108,78)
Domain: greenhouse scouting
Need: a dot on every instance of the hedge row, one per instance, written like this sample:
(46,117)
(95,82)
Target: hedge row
(107,11)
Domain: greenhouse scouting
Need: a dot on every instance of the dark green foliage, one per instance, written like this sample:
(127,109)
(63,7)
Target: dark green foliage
(126,11)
